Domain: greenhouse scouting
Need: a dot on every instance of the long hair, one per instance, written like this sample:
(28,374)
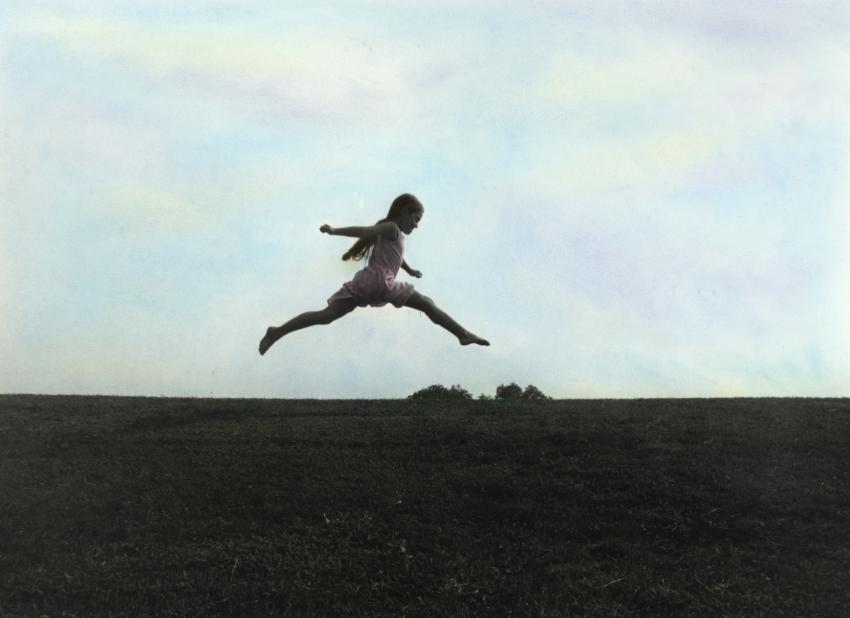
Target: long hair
(361,248)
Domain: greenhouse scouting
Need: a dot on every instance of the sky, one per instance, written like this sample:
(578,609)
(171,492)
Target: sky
(628,199)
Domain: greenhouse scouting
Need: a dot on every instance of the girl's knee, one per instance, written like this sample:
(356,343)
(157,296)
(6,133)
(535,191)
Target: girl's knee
(421,302)
(325,316)
(335,311)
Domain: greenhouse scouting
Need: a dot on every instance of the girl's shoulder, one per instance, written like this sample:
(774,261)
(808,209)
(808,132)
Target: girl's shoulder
(388,230)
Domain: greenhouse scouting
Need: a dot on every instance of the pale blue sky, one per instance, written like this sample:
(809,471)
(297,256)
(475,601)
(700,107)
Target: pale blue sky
(626,198)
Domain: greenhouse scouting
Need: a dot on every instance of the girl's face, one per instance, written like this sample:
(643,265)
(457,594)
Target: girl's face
(409,219)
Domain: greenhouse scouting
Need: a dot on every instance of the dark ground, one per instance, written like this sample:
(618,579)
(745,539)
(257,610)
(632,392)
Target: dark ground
(192,507)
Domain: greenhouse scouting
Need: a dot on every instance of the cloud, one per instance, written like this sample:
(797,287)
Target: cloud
(787,25)
(659,162)
(661,113)
(755,27)
(337,75)
(143,208)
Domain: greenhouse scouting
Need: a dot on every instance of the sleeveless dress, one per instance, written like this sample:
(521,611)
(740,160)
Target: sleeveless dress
(376,285)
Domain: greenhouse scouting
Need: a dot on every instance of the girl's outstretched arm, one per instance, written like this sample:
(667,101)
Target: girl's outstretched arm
(387,229)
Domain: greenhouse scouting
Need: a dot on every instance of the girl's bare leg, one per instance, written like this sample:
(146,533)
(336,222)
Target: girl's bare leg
(438,316)
(327,315)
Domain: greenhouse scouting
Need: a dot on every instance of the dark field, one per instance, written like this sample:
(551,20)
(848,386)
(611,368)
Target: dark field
(192,507)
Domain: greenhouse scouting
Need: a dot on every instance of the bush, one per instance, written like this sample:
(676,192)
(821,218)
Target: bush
(533,393)
(438,391)
(515,391)
(509,391)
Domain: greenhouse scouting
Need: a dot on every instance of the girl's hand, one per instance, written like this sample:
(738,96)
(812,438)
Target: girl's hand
(326,229)
(415,273)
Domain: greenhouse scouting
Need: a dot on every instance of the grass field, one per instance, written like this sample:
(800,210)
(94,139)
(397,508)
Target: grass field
(193,507)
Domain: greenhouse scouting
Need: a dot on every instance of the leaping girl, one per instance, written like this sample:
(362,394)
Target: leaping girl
(376,284)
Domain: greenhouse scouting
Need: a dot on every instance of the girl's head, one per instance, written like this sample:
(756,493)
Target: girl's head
(405,211)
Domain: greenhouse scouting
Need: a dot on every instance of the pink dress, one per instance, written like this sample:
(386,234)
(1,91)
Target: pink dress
(376,284)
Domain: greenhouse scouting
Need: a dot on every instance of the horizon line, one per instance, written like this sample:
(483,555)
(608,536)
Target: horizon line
(405,398)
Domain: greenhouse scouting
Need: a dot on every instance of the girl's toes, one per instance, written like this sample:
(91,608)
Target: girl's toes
(470,338)
(267,341)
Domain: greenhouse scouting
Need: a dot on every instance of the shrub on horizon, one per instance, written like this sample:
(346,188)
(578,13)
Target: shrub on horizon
(515,391)
(533,393)
(509,391)
(438,391)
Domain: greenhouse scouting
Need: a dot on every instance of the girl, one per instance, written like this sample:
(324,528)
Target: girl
(376,284)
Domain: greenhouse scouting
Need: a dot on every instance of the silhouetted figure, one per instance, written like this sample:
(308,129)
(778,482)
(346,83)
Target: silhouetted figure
(376,284)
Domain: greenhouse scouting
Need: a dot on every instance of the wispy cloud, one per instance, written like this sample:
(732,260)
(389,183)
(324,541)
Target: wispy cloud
(336,75)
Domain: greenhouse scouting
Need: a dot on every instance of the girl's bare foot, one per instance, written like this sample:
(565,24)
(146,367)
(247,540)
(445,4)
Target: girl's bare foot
(267,341)
(470,338)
